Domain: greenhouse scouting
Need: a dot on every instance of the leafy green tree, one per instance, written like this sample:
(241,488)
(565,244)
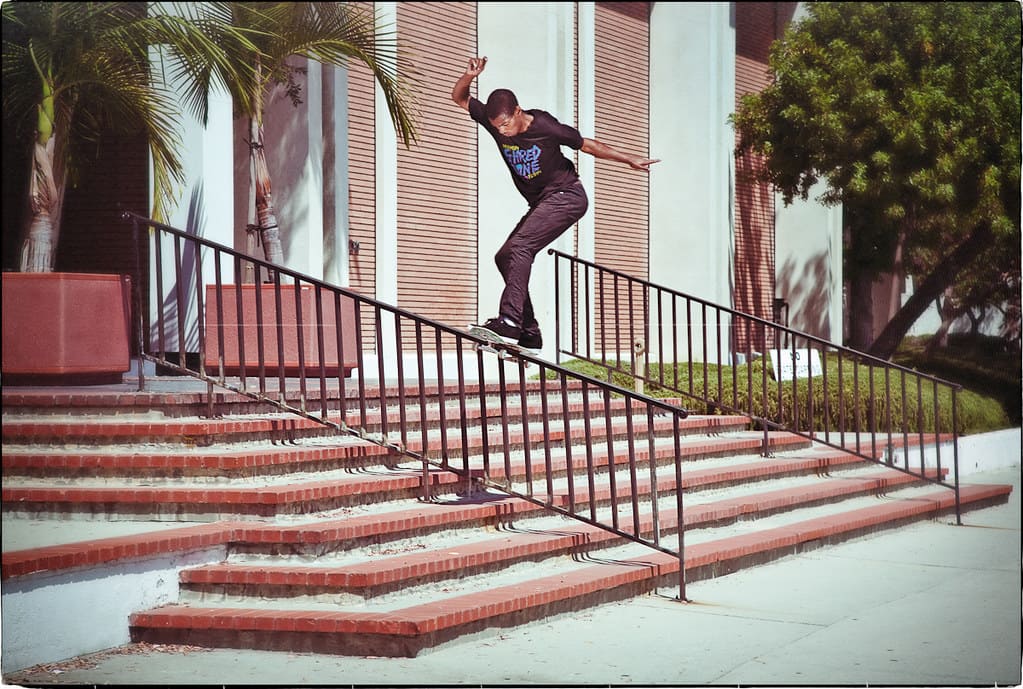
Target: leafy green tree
(74,71)
(332,33)
(909,115)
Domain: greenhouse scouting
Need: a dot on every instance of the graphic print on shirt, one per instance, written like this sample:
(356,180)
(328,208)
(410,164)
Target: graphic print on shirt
(526,163)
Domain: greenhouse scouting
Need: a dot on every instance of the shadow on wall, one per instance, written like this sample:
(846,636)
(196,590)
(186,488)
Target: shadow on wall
(806,289)
(170,308)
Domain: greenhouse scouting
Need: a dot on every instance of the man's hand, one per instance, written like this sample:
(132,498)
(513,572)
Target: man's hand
(642,163)
(460,91)
(476,66)
(599,149)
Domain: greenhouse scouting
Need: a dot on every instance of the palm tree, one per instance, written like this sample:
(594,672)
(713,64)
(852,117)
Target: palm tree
(332,33)
(73,71)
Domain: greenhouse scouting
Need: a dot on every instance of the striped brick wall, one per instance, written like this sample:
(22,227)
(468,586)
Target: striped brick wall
(437,205)
(757,24)
(620,200)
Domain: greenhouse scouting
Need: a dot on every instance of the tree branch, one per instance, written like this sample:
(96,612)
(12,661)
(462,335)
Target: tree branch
(943,275)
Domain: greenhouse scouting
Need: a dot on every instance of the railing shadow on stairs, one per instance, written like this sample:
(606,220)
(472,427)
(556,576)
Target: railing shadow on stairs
(313,349)
(716,358)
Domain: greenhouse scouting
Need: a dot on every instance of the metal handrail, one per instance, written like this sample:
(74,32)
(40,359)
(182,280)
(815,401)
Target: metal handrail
(201,311)
(613,313)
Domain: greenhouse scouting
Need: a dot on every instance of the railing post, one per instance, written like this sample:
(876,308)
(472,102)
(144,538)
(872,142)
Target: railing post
(137,298)
(955,452)
(680,508)
(639,357)
(557,308)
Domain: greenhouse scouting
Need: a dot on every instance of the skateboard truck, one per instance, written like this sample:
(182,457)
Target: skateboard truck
(492,342)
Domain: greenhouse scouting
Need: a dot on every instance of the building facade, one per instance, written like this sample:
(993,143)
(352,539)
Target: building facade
(419,227)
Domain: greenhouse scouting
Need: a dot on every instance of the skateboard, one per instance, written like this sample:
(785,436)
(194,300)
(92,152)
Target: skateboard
(494,342)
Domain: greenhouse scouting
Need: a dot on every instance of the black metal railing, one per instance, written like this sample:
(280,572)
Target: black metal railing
(724,360)
(366,369)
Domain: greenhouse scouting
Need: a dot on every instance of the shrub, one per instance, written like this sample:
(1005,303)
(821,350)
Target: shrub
(859,398)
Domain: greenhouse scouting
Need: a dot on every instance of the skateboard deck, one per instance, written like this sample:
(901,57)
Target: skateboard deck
(494,342)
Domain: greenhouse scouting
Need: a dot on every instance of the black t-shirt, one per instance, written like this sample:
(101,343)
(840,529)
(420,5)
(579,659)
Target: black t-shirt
(534,157)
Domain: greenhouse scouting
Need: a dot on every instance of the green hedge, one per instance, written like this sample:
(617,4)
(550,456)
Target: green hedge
(850,407)
(984,364)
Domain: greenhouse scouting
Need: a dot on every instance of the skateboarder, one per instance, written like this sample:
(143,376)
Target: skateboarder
(530,142)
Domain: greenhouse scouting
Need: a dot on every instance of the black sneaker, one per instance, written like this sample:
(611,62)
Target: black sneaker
(531,341)
(508,332)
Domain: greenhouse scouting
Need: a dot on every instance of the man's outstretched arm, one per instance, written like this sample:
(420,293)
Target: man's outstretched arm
(601,150)
(460,91)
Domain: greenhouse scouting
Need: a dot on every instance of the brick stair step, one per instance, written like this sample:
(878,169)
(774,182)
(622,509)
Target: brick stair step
(512,405)
(407,631)
(117,549)
(195,431)
(556,433)
(419,590)
(184,431)
(732,445)
(107,551)
(192,399)
(331,534)
(258,459)
(247,499)
(205,503)
(384,574)
(221,462)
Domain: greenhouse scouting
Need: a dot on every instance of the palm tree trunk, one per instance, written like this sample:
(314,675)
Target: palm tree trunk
(266,217)
(38,248)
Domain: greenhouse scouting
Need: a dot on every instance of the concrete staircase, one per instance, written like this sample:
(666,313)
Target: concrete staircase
(303,540)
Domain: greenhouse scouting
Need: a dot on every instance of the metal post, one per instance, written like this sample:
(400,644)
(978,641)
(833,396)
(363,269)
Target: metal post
(137,293)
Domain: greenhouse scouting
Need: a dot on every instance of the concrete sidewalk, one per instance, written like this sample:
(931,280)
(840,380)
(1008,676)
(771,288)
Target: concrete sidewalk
(929,604)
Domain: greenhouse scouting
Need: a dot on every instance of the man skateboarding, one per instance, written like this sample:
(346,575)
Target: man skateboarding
(530,142)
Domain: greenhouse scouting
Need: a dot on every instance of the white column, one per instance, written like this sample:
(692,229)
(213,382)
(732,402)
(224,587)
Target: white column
(293,137)
(587,119)
(306,205)
(586,124)
(336,221)
(386,199)
(206,157)
(538,66)
(692,77)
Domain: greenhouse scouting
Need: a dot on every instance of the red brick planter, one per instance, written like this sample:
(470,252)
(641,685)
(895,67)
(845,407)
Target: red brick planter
(250,330)
(60,327)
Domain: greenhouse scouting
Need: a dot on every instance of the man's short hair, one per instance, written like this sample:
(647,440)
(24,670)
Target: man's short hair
(501,103)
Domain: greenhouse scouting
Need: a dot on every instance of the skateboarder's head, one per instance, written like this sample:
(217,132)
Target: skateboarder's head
(504,113)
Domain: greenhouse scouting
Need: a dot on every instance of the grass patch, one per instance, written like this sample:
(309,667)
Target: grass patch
(850,403)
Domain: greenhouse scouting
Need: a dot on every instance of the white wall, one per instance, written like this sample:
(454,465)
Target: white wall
(206,158)
(808,266)
(293,137)
(336,218)
(692,93)
(537,65)
(65,614)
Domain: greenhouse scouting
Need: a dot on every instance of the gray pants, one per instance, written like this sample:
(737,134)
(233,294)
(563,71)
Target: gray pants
(544,223)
